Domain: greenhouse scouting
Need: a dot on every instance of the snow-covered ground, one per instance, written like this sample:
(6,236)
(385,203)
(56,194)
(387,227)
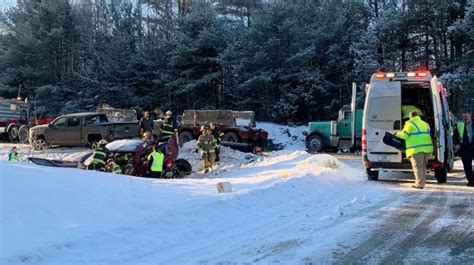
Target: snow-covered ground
(51,215)
(286,207)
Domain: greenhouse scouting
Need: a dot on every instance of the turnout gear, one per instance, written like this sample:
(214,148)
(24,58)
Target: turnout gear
(113,167)
(155,161)
(99,156)
(207,145)
(168,127)
(218,136)
(416,134)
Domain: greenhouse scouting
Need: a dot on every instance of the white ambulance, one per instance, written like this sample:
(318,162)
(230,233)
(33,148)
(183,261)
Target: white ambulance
(389,96)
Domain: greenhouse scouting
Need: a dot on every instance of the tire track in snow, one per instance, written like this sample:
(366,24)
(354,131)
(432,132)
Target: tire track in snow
(413,234)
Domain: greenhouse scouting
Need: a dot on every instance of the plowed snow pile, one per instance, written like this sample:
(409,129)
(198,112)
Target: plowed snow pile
(69,216)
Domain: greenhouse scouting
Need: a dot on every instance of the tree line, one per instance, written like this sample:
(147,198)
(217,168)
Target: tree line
(286,60)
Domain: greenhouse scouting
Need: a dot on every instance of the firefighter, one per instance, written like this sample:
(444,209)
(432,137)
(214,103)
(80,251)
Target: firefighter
(419,146)
(155,162)
(218,137)
(113,167)
(169,126)
(146,124)
(206,144)
(463,139)
(13,155)
(99,156)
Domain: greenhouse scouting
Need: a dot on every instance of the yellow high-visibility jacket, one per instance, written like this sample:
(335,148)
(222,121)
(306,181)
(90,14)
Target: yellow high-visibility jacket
(416,134)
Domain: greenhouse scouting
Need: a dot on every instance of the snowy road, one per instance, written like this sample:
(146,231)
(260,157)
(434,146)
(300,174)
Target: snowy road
(287,208)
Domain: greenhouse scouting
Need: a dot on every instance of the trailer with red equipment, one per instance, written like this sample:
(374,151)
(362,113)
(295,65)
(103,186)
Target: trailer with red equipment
(238,128)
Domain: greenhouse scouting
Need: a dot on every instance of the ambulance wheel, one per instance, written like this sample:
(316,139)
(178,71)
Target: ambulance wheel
(441,174)
(372,174)
(314,144)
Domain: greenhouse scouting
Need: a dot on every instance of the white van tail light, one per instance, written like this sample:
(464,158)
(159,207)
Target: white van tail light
(364,140)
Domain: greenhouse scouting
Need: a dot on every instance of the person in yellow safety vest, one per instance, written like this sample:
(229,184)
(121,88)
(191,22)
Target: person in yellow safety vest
(13,155)
(113,167)
(207,145)
(155,162)
(99,156)
(419,146)
(218,136)
(463,139)
(169,126)
(409,108)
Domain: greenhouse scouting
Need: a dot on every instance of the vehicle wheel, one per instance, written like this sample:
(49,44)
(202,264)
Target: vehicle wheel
(12,131)
(441,174)
(181,168)
(184,137)
(314,144)
(372,174)
(231,137)
(23,133)
(39,144)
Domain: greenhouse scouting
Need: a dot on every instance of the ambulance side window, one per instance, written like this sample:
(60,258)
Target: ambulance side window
(383,112)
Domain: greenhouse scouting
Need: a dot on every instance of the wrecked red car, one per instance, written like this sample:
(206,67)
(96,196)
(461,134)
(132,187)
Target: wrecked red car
(132,156)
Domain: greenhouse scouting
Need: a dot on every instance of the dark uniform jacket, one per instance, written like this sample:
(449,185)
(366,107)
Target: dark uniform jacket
(465,145)
(146,124)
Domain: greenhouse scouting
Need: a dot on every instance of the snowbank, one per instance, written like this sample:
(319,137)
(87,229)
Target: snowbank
(69,216)
(284,136)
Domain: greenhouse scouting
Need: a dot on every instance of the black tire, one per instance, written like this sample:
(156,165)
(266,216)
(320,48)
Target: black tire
(23,133)
(372,174)
(314,144)
(231,137)
(39,144)
(441,174)
(184,137)
(181,168)
(12,131)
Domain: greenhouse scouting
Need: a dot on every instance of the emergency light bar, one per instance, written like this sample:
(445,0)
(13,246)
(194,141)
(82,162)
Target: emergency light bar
(408,74)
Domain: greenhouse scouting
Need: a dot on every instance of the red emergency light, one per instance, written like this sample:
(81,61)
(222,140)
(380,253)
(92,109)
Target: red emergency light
(421,74)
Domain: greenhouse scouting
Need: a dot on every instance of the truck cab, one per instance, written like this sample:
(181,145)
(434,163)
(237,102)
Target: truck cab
(324,135)
(388,94)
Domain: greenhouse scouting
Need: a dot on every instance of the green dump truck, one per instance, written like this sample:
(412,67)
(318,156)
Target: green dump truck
(336,135)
